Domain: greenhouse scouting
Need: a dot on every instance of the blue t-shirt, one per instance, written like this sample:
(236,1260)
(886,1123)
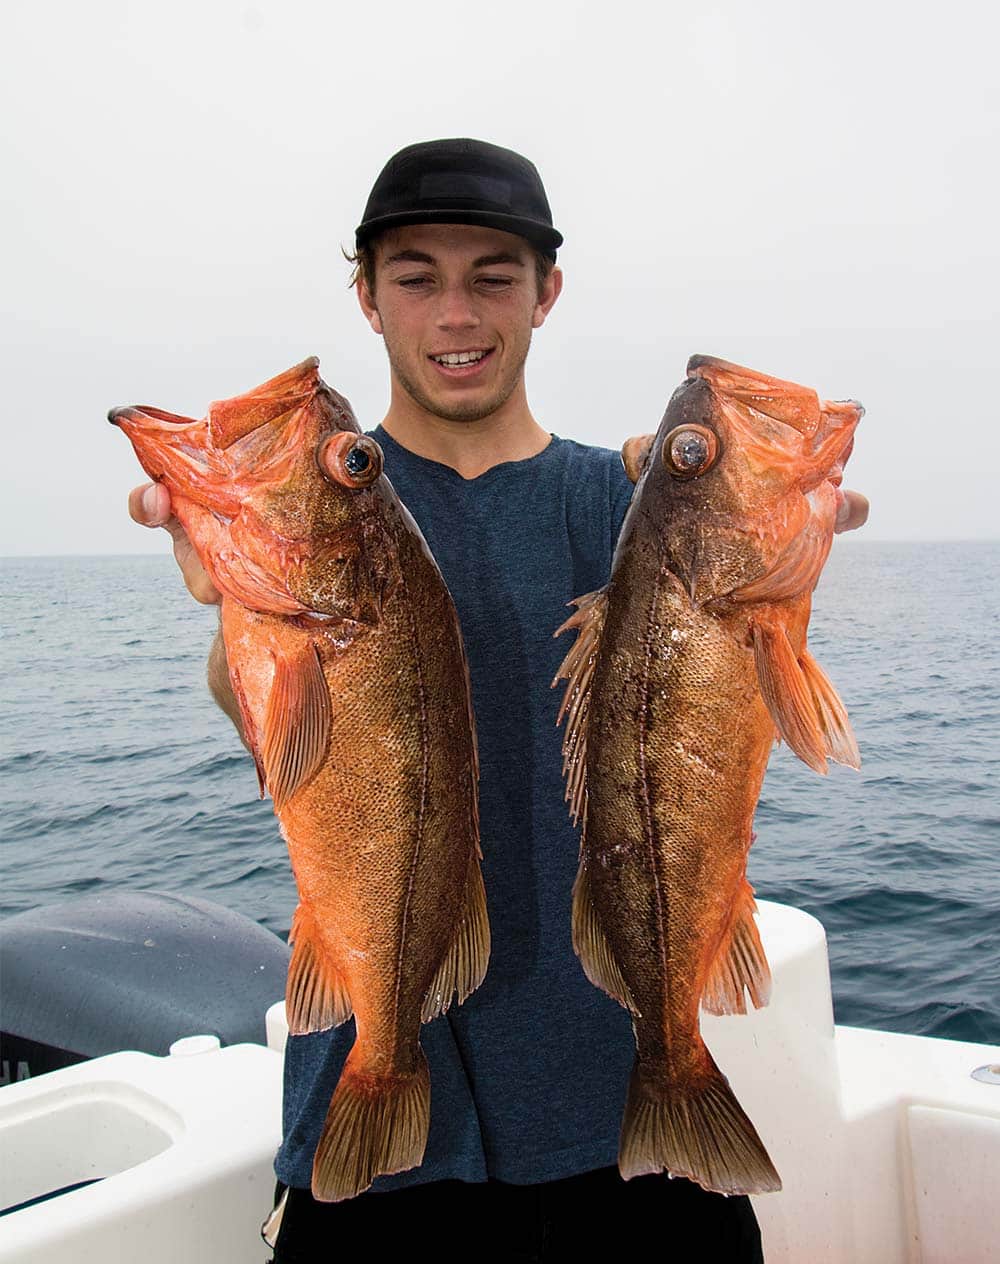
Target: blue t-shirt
(528,1076)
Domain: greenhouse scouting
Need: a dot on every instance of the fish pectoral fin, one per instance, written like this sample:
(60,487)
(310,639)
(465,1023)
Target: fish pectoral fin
(464,965)
(316,997)
(635,455)
(740,964)
(297,724)
(787,694)
(838,736)
(578,669)
(591,945)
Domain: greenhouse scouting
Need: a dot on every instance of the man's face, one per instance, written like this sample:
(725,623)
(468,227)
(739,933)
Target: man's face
(456,305)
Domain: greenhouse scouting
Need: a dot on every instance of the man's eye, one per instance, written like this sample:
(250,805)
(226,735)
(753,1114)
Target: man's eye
(496,282)
(413,283)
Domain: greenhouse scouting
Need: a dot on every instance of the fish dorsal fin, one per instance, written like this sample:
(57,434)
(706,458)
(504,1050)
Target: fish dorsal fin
(316,997)
(591,945)
(578,669)
(635,455)
(786,693)
(740,965)
(796,570)
(297,725)
(465,962)
(838,736)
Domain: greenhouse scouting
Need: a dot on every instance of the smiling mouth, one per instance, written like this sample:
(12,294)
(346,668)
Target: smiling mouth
(461,359)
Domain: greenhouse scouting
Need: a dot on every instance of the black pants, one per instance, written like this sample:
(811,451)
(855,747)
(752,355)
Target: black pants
(595,1216)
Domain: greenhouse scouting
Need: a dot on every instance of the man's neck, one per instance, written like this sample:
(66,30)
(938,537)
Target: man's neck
(470,447)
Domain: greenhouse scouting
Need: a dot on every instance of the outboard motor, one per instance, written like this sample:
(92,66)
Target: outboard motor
(131,970)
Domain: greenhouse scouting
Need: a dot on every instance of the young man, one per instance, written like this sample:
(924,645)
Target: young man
(455,269)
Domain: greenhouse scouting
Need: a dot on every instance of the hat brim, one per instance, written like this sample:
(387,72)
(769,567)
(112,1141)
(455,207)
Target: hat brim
(540,235)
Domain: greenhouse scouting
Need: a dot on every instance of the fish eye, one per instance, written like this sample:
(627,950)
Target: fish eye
(349,459)
(690,450)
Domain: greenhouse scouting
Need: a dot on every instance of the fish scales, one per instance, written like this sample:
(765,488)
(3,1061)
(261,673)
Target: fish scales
(685,667)
(346,660)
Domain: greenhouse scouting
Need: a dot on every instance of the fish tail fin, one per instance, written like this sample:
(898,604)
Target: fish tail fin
(465,962)
(695,1130)
(376,1125)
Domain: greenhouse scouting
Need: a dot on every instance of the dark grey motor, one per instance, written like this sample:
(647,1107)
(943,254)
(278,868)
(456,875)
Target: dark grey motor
(130,970)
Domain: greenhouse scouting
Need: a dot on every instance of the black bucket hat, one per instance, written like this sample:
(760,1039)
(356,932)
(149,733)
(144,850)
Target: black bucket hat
(461,182)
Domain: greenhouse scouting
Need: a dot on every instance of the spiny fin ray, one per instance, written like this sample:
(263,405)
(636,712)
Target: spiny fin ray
(577,669)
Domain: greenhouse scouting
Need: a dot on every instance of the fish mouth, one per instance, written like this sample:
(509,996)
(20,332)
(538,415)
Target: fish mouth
(145,413)
(759,399)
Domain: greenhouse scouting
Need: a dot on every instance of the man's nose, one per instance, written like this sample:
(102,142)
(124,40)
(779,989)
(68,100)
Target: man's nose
(457,310)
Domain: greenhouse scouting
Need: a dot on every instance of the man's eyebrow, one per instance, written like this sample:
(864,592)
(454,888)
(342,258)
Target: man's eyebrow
(503,256)
(410,256)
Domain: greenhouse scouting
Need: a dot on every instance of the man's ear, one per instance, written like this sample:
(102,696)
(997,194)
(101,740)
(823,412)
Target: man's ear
(550,292)
(367,305)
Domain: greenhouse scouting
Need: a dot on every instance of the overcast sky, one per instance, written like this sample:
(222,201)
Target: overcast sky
(811,190)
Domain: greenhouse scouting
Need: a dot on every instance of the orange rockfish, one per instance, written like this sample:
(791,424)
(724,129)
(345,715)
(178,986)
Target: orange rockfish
(686,666)
(346,660)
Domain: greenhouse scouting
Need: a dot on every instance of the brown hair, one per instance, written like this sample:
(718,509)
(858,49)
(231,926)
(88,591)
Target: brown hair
(362,263)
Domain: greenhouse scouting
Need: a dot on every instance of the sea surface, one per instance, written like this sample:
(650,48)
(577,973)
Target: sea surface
(116,770)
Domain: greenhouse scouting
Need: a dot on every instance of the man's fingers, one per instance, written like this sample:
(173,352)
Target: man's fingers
(852,512)
(149,505)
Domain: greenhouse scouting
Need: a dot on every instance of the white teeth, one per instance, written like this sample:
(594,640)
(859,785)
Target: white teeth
(459,357)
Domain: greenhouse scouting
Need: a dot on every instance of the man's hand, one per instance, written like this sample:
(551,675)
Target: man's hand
(149,505)
(852,512)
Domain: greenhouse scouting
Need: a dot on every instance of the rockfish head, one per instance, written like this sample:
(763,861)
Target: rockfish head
(281,495)
(738,486)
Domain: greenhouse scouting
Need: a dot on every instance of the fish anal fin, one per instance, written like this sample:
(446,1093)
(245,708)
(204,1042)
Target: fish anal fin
(316,997)
(696,1129)
(577,669)
(376,1125)
(297,724)
(841,744)
(463,967)
(591,945)
(740,965)
(786,693)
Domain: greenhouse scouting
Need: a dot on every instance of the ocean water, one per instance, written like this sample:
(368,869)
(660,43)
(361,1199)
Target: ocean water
(118,772)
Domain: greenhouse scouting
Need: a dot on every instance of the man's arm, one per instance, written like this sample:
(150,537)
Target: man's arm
(149,505)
